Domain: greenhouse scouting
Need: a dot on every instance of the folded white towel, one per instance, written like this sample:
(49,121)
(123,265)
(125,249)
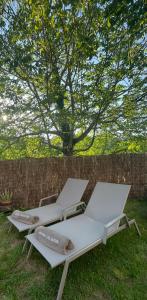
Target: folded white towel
(24,217)
(53,240)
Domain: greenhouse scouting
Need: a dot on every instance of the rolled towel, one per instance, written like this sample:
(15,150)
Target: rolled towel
(53,240)
(23,217)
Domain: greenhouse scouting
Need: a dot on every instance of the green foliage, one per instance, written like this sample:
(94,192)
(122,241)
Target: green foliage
(27,147)
(104,143)
(70,68)
(108,143)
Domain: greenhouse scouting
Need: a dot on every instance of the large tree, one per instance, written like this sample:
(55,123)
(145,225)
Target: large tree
(67,68)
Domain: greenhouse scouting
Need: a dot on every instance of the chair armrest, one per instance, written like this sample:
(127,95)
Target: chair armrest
(72,207)
(47,198)
(115,220)
(108,228)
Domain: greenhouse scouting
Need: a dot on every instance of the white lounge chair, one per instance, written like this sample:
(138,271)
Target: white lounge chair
(100,221)
(66,204)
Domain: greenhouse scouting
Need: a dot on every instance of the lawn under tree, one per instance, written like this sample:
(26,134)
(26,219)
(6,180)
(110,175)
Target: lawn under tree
(117,271)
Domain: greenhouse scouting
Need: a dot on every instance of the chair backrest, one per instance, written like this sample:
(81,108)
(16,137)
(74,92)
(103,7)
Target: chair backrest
(107,201)
(72,192)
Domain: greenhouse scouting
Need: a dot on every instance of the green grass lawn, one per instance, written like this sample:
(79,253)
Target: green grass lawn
(115,271)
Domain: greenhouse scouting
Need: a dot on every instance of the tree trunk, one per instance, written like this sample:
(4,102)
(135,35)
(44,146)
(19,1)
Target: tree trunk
(67,152)
(67,135)
(67,146)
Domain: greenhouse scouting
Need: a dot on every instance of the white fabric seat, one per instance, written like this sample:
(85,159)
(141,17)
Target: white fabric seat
(81,230)
(70,195)
(47,214)
(106,203)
